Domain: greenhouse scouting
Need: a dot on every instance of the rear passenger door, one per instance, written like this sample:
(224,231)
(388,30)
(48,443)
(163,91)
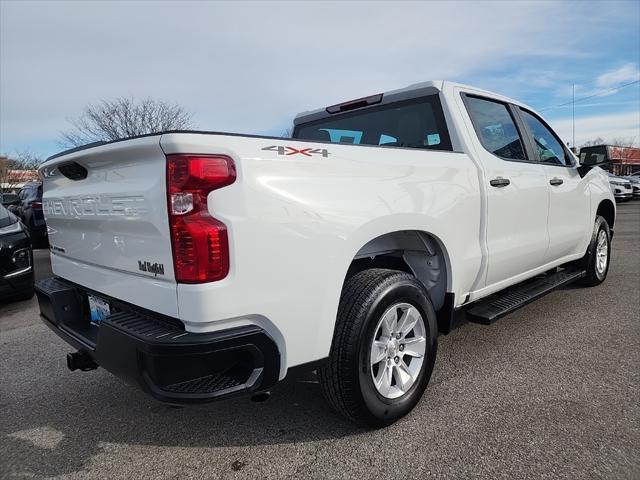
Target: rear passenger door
(569,202)
(516,191)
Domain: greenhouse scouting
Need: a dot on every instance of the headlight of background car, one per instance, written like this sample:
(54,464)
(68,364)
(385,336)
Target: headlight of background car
(13,228)
(619,184)
(21,258)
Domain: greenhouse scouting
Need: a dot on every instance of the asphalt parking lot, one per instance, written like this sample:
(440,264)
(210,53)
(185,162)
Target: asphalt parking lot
(553,391)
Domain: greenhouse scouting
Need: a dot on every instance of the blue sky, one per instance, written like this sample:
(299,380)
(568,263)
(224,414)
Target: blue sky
(250,67)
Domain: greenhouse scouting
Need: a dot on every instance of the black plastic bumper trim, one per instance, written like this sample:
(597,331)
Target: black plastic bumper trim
(171,364)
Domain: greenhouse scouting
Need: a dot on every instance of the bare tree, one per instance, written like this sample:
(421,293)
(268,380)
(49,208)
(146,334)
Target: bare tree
(593,143)
(125,117)
(623,142)
(19,169)
(615,142)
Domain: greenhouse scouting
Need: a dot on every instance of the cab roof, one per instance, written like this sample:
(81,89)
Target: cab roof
(415,90)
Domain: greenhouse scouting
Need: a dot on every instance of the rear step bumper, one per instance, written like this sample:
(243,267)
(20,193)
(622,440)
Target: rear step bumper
(154,352)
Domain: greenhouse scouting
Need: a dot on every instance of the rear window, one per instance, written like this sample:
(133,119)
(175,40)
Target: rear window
(31,192)
(415,123)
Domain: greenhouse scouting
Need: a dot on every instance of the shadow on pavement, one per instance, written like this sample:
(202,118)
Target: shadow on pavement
(61,433)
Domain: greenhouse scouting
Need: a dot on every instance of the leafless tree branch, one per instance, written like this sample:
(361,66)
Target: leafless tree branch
(125,117)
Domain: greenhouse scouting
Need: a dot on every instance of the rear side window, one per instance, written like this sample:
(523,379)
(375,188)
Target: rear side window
(495,128)
(415,123)
(548,146)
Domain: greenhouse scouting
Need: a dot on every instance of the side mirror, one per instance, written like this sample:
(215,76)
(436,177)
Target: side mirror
(590,160)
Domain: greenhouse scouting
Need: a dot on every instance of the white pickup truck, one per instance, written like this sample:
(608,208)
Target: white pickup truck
(200,265)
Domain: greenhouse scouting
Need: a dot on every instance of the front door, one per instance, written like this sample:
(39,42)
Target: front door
(517,194)
(569,201)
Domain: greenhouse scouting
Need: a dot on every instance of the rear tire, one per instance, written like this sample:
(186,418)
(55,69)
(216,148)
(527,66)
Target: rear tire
(598,257)
(371,377)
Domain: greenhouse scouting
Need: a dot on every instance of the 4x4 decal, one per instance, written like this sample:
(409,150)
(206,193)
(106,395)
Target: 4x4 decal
(307,152)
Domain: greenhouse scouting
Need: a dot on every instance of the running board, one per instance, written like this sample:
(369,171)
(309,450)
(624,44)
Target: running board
(496,306)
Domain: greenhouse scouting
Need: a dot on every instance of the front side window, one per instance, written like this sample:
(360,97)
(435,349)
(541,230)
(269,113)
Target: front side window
(415,123)
(548,147)
(495,128)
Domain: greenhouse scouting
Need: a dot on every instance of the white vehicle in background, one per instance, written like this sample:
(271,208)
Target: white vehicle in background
(621,187)
(200,265)
(635,183)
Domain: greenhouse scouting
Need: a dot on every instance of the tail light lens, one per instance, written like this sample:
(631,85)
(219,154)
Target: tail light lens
(199,241)
(36,205)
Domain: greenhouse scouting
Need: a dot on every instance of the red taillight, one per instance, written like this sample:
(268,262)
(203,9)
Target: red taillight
(199,241)
(36,205)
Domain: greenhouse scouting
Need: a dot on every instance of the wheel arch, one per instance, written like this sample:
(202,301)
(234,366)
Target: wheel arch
(382,243)
(607,210)
(418,252)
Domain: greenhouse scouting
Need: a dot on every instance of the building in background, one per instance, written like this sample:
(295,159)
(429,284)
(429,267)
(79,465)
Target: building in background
(13,179)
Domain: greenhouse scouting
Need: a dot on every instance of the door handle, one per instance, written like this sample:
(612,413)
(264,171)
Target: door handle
(499,182)
(556,181)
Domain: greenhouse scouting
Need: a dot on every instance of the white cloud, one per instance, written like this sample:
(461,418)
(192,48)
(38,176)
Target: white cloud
(625,74)
(608,127)
(251,66)
(248,66)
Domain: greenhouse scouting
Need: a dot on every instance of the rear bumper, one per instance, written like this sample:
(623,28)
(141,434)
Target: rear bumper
(155,353)
(16,283)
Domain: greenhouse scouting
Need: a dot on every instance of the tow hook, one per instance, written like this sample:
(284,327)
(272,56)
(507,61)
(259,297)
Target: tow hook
(80,361)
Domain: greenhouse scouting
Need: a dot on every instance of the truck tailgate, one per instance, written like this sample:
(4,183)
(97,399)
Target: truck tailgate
(110,231)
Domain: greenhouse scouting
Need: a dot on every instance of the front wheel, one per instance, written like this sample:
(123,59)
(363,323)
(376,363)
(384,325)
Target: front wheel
(383,350)
(596,260)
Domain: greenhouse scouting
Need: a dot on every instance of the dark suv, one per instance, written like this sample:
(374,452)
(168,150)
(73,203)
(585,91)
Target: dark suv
(29,209)
(16,259)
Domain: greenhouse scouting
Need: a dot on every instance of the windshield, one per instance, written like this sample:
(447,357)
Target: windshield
(415,123)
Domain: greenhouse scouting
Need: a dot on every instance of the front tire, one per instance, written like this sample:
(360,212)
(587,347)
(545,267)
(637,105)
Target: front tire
(598,257)
(383,349)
